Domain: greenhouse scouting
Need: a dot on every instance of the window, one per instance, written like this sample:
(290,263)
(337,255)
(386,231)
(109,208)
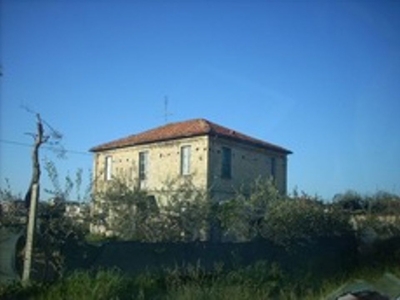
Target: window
(273,167)
(226,162)
(185,160)
(108,168)
(143,165)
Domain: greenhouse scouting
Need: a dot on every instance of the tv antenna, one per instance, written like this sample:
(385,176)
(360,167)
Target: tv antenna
(167,113)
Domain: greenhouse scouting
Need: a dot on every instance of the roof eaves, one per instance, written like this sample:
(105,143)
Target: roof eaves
(110,146)
(259,144)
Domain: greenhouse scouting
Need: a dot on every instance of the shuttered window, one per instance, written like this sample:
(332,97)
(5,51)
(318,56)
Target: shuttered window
(273,167)
(226,168)
(108,168)
(143,165)
(185,160)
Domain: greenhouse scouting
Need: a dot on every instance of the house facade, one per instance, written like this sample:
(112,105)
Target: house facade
(214,158)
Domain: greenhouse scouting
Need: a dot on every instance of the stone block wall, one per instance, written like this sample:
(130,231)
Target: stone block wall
(247,164)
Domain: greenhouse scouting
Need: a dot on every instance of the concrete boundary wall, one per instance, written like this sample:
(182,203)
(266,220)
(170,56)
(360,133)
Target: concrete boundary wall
(326,255)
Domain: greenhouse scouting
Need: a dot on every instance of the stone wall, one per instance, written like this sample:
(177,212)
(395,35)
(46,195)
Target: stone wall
(163,163)
(248,163)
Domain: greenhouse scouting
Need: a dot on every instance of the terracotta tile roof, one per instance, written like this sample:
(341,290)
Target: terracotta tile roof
(190,128)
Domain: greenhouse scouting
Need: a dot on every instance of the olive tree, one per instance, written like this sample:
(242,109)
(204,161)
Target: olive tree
(178,211)
(125,211)
(242,216)
(186,213)
(301,220)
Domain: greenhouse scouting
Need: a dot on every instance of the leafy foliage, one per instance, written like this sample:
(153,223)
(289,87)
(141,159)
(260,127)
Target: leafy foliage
(57,235)
(58,238)
(241,216)
(350,201)
(302,220)
(6,193)
(379,203)
(132,214)
(263,212)
(70,183)
(384,203)
(373,216)
(126,211)
(12,208)
(186,212)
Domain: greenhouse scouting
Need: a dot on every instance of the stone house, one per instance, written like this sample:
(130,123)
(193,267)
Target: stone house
(214,158)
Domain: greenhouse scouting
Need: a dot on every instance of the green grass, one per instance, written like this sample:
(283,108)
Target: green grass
(260,281)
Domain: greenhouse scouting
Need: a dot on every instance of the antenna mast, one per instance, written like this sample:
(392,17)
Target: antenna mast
(166,112)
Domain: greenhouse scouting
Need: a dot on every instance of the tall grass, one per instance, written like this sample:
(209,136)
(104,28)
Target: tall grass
(260,281)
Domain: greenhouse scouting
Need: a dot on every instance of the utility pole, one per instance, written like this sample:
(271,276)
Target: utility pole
(32,198)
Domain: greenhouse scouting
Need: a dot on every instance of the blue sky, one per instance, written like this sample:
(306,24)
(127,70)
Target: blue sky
(321,78)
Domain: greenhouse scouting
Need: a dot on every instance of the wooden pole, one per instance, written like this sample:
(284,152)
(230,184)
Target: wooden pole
(34,199)
(30,233)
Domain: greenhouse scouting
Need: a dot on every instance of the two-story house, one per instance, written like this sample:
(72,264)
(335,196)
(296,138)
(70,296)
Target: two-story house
(215,158)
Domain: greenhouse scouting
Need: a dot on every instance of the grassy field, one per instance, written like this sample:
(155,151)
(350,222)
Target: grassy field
(260,281)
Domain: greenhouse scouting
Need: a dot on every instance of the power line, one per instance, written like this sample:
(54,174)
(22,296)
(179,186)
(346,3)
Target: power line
(45,147)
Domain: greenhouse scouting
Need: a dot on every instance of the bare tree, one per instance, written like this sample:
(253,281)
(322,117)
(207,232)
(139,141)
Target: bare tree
(32,195)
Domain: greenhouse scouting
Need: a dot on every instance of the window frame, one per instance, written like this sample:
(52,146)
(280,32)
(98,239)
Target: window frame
(143,165)
(108,168)
(226,163)
(273,168)
(185,166)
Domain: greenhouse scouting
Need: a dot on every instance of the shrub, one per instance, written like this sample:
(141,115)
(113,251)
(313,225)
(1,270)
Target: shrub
(126,211)
(302,219)
(12,208)
(185,214)
(241,216)
(130,213)
(383,203)
(350,201)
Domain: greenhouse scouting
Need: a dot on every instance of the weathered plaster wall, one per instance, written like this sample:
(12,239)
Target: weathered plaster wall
(247,164)
(164,162)
(164,159)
